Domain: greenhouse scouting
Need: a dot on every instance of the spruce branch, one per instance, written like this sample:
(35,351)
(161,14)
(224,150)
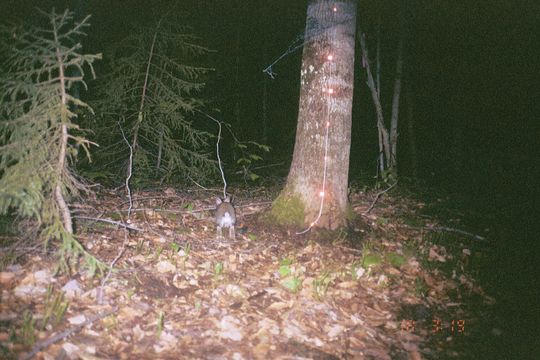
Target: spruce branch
(37,121)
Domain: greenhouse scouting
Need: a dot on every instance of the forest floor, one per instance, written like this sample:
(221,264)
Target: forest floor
(399,284)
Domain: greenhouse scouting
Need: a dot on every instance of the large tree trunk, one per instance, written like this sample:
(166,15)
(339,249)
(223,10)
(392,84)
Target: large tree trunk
(325,114)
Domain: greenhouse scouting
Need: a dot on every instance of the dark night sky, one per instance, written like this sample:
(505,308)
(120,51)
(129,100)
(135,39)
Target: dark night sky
(470,64)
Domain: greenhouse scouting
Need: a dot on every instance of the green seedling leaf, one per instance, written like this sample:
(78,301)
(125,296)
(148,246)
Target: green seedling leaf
(160,323)
(189,206)
(243,161)
(252,237)
(286,261)
(284,271)
(253,176)
(292,284)
(255,157)
(130,293)
(218,269)
(371,260)
(159,250)
(395,260)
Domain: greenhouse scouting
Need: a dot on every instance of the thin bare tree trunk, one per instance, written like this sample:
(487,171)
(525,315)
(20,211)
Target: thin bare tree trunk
(378,56)
(375,96)
(265,112)
(395,108)
(143,95)
(160,149)
(413,153)
(61,166)
(237,87)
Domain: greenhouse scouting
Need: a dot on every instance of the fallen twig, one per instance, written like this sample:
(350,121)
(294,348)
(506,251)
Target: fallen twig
(99,295)
(447,229)
(260,167)
(129,227)
(379,194)
(130,164)
(208,208)
(458,231)
(64,334)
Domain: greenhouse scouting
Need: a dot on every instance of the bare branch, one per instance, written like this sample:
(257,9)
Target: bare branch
(64,334)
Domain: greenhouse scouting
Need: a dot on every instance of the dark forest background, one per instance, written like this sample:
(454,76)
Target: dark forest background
(470,68)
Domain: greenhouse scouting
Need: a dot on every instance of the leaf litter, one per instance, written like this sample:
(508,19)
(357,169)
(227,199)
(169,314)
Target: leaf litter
(177,292)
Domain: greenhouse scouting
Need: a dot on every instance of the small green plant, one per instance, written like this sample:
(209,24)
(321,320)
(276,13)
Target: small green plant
(395,260)
(356,269)
(160,323)
(371,260)
(420,287)
(186,249)
(321,284)
(174,251)
(289,280)
(293,284)
(139,247)
(285,267)
(249,154)
(252,237)
(387,177)
(130,293)
(367,247)
(55,308)
(28,335)
(175,247)
(218,270)
(159,250)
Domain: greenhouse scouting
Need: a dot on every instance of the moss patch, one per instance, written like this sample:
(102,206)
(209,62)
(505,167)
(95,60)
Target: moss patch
(288,210)
(350,214)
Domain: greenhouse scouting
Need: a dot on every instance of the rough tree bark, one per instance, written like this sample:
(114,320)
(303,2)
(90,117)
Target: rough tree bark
(326,94)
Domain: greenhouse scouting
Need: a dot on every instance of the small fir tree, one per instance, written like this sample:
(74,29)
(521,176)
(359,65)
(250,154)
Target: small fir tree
(147,101)
(38,136)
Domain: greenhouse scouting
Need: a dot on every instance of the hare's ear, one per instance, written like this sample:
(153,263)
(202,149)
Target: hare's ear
(218,201)
(228,198)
